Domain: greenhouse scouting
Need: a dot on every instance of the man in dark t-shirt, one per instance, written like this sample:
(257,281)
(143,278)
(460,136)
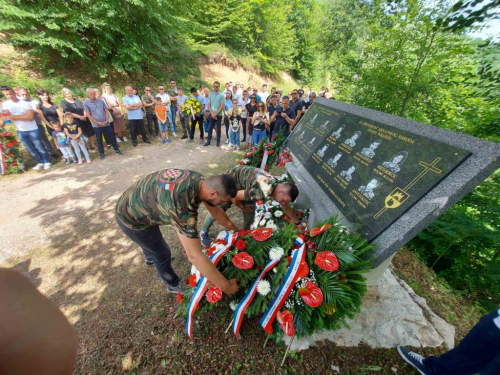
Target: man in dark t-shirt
(271,108)
(297,105)
(254,185)
(172,197)
(284,118)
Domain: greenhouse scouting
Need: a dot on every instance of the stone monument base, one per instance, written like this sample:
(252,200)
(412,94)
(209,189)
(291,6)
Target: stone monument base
(391,315)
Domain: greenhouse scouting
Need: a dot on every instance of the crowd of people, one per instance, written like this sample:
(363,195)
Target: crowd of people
(75,127)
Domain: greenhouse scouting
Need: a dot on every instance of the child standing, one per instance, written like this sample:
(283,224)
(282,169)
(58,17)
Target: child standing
(234,117)
(74,132)
(61,140)
(161,113)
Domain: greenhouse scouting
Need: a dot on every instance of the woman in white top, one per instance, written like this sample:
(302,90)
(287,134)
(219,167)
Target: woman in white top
(114,105)
(260,122)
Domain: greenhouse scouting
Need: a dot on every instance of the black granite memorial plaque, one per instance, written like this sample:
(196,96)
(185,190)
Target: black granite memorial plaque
(373,172)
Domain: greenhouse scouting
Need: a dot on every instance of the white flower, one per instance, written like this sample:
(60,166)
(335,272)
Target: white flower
(233,305)
(263,287)
(278,213)
(270,223)
(275,204)
(276,253)
(267,215)
(246,161)
(262,222)
(273,227)
(193,270)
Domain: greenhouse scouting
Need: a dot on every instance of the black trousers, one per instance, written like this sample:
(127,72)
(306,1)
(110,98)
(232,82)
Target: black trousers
(155,248)
(244,126)
(151,117)
(48,144)
(197,120)
(109,136)
(137,126)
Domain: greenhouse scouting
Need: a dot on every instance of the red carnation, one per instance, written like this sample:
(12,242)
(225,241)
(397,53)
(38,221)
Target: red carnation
(214,294)
(6,135)
(192,280)
(241,245)
(9,144)
(13,164)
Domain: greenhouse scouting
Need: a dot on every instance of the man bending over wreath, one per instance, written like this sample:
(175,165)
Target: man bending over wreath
(253,185)
(172,197)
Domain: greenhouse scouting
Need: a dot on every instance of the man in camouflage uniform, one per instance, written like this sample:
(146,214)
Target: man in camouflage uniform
(253,185)
(172,197)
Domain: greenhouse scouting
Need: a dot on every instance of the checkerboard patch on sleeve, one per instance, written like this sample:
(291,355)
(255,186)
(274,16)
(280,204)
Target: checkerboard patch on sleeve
(168,178)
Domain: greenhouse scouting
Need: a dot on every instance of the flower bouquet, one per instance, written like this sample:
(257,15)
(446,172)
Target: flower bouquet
(192,107)
(10,153)
(297,283)
(255,156)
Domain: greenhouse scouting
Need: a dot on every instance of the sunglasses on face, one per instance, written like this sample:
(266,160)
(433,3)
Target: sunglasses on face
(294,93)
(147,90)
(162,89)
(261,106)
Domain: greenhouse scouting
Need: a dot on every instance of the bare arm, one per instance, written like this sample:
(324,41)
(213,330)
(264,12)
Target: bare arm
(192,247)
(221,217)
(290,212)
(60,114)
(36,337)
(28,116)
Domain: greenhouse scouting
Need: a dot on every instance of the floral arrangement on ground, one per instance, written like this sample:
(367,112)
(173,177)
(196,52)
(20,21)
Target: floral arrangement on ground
(255,156)
(297,283)
(10,153)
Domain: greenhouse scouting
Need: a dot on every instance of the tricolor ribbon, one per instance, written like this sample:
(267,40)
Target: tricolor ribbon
(285,288)
(3,166)
(247,300)
(260,210)
(201,288)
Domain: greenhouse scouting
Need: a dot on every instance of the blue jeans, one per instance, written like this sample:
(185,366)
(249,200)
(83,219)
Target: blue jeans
(217,124)
(32,140)
(478,352)
(258,135)
(234,138)
(171,115)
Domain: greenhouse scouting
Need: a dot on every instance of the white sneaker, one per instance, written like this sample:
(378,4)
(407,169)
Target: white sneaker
(125,139)
(47,166)
(38,166)
(174,134)
(118,140)
(227,142)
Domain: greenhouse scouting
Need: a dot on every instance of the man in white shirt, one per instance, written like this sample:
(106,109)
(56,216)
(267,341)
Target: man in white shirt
(242,102)
(133,105)
(263,94)
(25,95)
(21,113)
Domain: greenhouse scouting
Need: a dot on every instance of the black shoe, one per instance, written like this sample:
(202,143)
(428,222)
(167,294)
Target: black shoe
(179,288)
(147,141)
(218,145)
(149,263)
(102,156)
(184,137)
(54,156)
(414,359)
(108,146)
(206,144)
(118,152)
(135,144)
(242,140)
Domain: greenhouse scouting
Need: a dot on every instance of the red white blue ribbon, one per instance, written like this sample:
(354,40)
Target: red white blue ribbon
(260,210)
(286,286)
(3,166)
(247,300)
(201,288)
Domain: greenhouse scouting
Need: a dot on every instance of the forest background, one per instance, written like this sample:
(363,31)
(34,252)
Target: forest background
(411,58)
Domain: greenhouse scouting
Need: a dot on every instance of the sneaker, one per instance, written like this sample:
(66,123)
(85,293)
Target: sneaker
(149,263)
(89,161)
(135,144)
(108,146)
(206,144)
(190,140)
(162,141)
(205,240)
(179,288)
(102,156)
(218,144)
(80,161)
(74,161)
(168,141)
(118,140)
(147,141)
(38,166)
(174,134)
(227,142)
(414,359)
(118,152)
(184,136)
(47,166)
(68,162)
(125,139)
